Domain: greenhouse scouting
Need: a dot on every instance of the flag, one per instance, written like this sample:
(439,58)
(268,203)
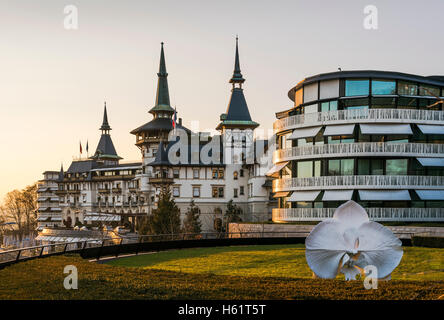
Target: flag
(80,147)
(174,118)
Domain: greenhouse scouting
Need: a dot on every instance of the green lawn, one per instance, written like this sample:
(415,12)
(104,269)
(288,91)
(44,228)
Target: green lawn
(273,261)
(254,272)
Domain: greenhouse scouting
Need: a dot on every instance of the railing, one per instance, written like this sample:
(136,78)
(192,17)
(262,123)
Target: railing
(376,214)
(359,115)
(100,245)
(362,181)
(359,149)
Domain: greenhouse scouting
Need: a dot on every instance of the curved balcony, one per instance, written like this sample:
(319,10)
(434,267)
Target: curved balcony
(375,214)
(360,149)
(360,116)
(358,182)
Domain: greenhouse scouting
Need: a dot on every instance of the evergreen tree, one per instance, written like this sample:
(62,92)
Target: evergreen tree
(165,219)
(233,212)
(191,224)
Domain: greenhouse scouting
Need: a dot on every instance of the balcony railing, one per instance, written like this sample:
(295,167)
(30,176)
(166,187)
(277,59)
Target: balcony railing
(359,149)
(361,182)
(375,214)
(360,115)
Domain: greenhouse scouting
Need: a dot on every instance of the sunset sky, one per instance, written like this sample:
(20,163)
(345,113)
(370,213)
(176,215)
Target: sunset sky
(53,81)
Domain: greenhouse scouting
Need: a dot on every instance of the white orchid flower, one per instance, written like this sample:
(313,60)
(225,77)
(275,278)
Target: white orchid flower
(349,242)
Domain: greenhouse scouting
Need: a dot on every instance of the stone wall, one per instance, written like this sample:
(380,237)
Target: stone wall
(293,230)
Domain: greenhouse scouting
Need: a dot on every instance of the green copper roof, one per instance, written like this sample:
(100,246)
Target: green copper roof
(237,75)
(105,124)
(162,95)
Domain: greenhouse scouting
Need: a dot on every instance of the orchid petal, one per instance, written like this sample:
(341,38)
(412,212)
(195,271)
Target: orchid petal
(351,214)
(327,235)
(324,263)
(385,261)
(374,236)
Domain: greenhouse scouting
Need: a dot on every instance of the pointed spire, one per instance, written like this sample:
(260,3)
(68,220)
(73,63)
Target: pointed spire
(105,125)
(237,75)
(162,66)
(61,173)
(162,95)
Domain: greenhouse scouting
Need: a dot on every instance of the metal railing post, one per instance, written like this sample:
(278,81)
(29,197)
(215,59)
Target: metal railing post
(18,255)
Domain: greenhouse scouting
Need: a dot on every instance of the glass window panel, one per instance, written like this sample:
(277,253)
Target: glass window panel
(325,106)
(396,167)
(416,168)
(333,105)
(305,169)
(357,87)
(377,167)
(407,88)
(383,87)
(397,139)
(334,167)
(303,204)
(317,168)
(428,91)
(407,103)
(361,102)
(347,167)
(380,103)
(363,166)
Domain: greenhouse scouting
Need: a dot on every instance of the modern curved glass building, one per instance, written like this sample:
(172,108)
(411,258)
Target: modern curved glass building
(374,137)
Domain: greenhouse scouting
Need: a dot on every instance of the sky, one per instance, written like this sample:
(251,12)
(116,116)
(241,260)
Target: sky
(54,81)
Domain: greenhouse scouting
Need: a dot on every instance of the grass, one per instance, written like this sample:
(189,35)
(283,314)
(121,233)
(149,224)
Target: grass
(254,272)
(274,261)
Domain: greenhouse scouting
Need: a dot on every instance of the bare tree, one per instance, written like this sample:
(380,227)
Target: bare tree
(20,207)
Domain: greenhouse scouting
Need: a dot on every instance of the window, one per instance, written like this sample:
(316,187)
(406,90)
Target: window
(383,87)
(235,193)
(357,87)
(428,91)
(175,173)
(284,143)
(215,174)
(317,168)
(196,173)
(329,106)
(341,167)
(196,192)
(350,104)
(235,174)
(176,191)
(217,192)
(221,173)
(396,167)
(241,190)
(241,172)
(363,166)
(407,88)
(305,169)
(377,167)
(381,103)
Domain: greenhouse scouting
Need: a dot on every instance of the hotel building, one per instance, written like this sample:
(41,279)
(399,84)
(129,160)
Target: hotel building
(102,190)
(374,137)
